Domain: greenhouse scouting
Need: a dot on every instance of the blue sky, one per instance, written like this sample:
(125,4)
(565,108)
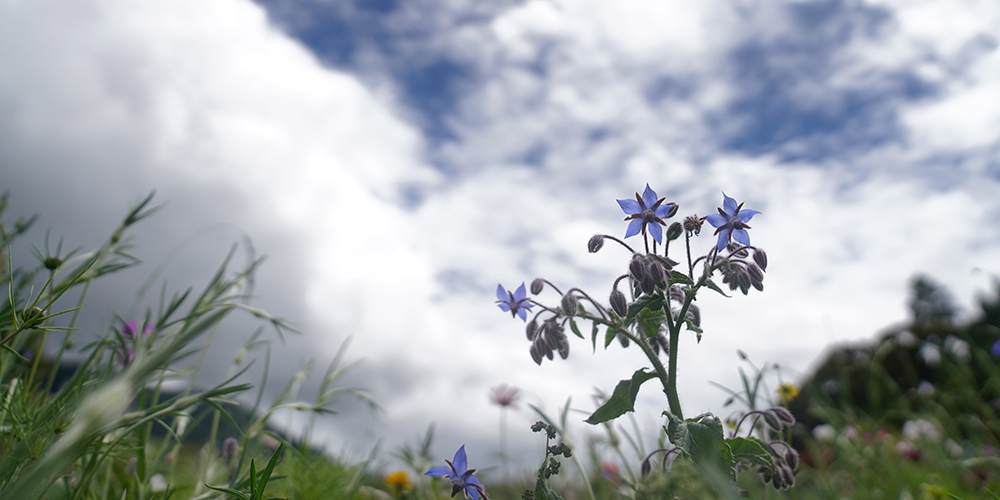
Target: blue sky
(396,160)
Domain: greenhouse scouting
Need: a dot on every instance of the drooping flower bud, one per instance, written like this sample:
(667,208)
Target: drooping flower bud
(772,421)
(788,476)
(595,243)
(658,275)
(618,303)
(637,267)
(531,330)
(674,231)
(536,286)
(755,273)
(760,258)
(783,415)
(569,304)
(792,458)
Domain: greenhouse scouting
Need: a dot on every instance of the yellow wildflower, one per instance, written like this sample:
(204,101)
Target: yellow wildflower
(398,482)
(787,392)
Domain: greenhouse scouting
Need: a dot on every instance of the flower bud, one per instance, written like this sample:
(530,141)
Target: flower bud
(531,330)
(673,210)
(536,286)
(569,304)
(658,275)
(645,468)
(229,448)
(787,476)
(637,268)
(772,421)
(52,263)
(536,353)
(618,302)
(755,273)
(792,458)
(674,231)
(595,243)
(760,258)
(783,415)
(623,340)
(33,318)
(648,284)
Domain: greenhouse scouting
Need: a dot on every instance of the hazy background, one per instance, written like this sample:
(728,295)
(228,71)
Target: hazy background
(396,160)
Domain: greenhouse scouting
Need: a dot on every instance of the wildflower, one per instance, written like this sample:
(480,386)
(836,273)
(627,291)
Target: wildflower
(995,350)
(731,222)
(787,392)
(504,396)
(398,482)
(647,211)
(460,475)
(129,330)
(516,303)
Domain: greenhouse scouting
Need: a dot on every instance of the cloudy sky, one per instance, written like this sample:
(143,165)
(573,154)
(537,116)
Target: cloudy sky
(396,160)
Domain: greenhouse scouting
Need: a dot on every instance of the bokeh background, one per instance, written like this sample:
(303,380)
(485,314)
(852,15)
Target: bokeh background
(395,160)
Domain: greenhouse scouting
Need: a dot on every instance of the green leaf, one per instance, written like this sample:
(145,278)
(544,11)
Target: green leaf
(750,450)
(676,277)
(576,329)
(229,491)
(593,336)
(650,321)
(622,400)
(266,475)
(609,336)
(699,437)
(711,284)
(542,491)
(693,327)
(645,302)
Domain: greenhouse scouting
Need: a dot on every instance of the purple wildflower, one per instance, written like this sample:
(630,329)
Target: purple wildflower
(731,222)
(516,303)
(995,350)
(647,211)
(460,475)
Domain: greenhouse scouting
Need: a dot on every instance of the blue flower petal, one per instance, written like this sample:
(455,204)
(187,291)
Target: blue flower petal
(663,210)
(520,294)
(472,492)
(745,215)
(648,197)
(656,231)
(439,471)
(502,294)
(633,228)
(728,205)
(522,313)
(723,238)
(630,206)
(505,307)
(741,236)
(717,220)
(460,463)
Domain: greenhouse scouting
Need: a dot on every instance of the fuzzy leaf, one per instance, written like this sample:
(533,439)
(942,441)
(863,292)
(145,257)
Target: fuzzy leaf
(711,284)
(576,329)
(750,450)
(681,278)
(622,400)
(652,302)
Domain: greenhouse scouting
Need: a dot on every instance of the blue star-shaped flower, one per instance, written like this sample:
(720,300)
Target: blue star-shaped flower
(460,475)
(731,222)
(647,211)
(516,303)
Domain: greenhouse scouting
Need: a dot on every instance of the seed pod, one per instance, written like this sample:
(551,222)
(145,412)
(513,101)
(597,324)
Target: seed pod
(537,285)
(618,303)
(531,330)
(569,304)
(674,231)
(760,258)
(595,243)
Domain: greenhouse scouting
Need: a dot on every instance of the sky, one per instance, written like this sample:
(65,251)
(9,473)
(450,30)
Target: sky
(395,161)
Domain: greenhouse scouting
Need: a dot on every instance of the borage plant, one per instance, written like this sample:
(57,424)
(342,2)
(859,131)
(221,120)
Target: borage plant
(659,305)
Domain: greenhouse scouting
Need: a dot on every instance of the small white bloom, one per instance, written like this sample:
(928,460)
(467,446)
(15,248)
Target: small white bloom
(954,449)
(824,433)
(906,339)
(931,355)
(157,483)
(925,389)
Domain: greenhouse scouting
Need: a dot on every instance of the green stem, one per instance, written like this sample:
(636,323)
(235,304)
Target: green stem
(661,372)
